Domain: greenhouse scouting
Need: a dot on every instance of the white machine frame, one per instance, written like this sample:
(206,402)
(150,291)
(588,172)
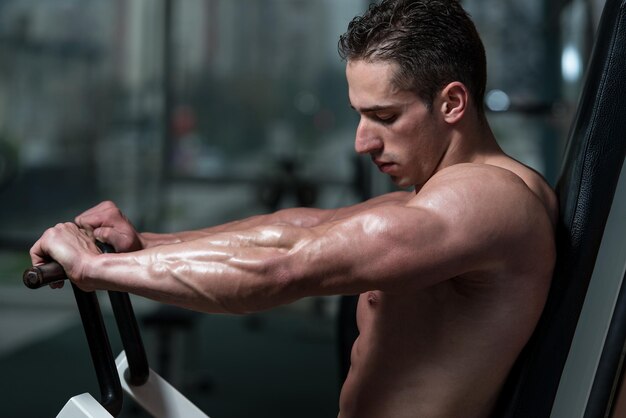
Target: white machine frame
(156,396)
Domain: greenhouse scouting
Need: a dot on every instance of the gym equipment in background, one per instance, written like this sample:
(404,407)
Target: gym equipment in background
(548,379)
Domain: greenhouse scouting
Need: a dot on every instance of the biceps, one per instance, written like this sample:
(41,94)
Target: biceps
(381,249)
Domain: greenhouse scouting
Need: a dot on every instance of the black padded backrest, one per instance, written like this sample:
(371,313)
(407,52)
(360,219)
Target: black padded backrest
(593,160)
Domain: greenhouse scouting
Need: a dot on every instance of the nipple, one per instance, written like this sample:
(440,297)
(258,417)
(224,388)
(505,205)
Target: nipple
(372,298)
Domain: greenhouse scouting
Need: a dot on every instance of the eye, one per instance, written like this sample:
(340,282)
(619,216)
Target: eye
(385,118)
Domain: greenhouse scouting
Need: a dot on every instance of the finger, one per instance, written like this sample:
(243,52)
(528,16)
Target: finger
(94,209)
(57,285)
(88,232)
(104,234)
(96,215)
(111,236)
(37,255)
(90,221)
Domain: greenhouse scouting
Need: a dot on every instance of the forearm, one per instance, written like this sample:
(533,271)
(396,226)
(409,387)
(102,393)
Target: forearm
(224,273)
(305,217)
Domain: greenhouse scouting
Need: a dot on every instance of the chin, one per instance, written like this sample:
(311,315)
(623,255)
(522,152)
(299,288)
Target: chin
(402,183)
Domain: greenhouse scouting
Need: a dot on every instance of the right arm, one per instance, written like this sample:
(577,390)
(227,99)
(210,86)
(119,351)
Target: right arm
(455,226)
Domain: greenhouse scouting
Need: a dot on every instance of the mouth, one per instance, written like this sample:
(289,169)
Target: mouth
(383,166)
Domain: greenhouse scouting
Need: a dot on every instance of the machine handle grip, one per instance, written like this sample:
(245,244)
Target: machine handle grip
(44,274)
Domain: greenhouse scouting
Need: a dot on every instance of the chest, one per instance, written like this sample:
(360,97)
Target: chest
(447,306)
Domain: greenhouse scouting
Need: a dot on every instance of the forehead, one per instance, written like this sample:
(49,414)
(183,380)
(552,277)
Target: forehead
(370,83)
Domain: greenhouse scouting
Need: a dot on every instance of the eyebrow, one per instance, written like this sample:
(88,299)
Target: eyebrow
(375,108)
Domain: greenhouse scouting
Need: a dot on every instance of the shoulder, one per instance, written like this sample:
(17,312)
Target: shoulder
(475,186)
(475,182)
(489,208)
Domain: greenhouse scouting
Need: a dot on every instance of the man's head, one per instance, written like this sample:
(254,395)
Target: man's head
(433,43)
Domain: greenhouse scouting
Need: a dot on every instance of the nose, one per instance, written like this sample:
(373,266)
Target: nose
(366,140)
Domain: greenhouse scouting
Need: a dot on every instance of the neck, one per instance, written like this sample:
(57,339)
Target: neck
(470,141)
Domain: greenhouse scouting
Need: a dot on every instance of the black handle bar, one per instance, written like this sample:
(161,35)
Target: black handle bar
(45,274)
(111,394)
(97,338)
(138,370)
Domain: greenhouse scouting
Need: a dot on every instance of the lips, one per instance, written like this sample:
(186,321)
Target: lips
(383,166)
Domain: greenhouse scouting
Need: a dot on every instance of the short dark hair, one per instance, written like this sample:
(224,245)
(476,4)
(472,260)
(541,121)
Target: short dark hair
(433,42)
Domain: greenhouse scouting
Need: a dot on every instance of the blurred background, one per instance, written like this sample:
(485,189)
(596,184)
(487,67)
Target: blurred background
(189,113)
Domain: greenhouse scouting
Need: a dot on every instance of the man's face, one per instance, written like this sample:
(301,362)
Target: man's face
(402,136)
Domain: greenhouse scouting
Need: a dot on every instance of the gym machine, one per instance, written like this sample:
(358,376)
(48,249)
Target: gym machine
(129,372)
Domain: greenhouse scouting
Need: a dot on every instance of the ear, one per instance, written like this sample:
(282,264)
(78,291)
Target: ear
(453,101)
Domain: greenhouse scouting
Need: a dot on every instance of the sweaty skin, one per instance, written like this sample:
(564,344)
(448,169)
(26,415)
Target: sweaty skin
(452,276)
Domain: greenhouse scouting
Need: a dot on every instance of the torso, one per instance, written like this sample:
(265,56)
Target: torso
(444,351)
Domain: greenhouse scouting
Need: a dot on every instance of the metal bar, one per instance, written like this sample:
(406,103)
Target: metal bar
(111,394)
(138,370)
(129,332)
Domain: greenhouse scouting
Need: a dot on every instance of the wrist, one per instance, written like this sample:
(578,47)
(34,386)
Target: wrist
(145,240)
(88,272)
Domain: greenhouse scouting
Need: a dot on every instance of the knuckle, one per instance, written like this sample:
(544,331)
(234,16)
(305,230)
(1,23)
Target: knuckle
(50,232)
(110,206)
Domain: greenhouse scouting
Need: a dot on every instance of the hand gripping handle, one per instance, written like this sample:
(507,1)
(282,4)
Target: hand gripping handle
(95,331)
